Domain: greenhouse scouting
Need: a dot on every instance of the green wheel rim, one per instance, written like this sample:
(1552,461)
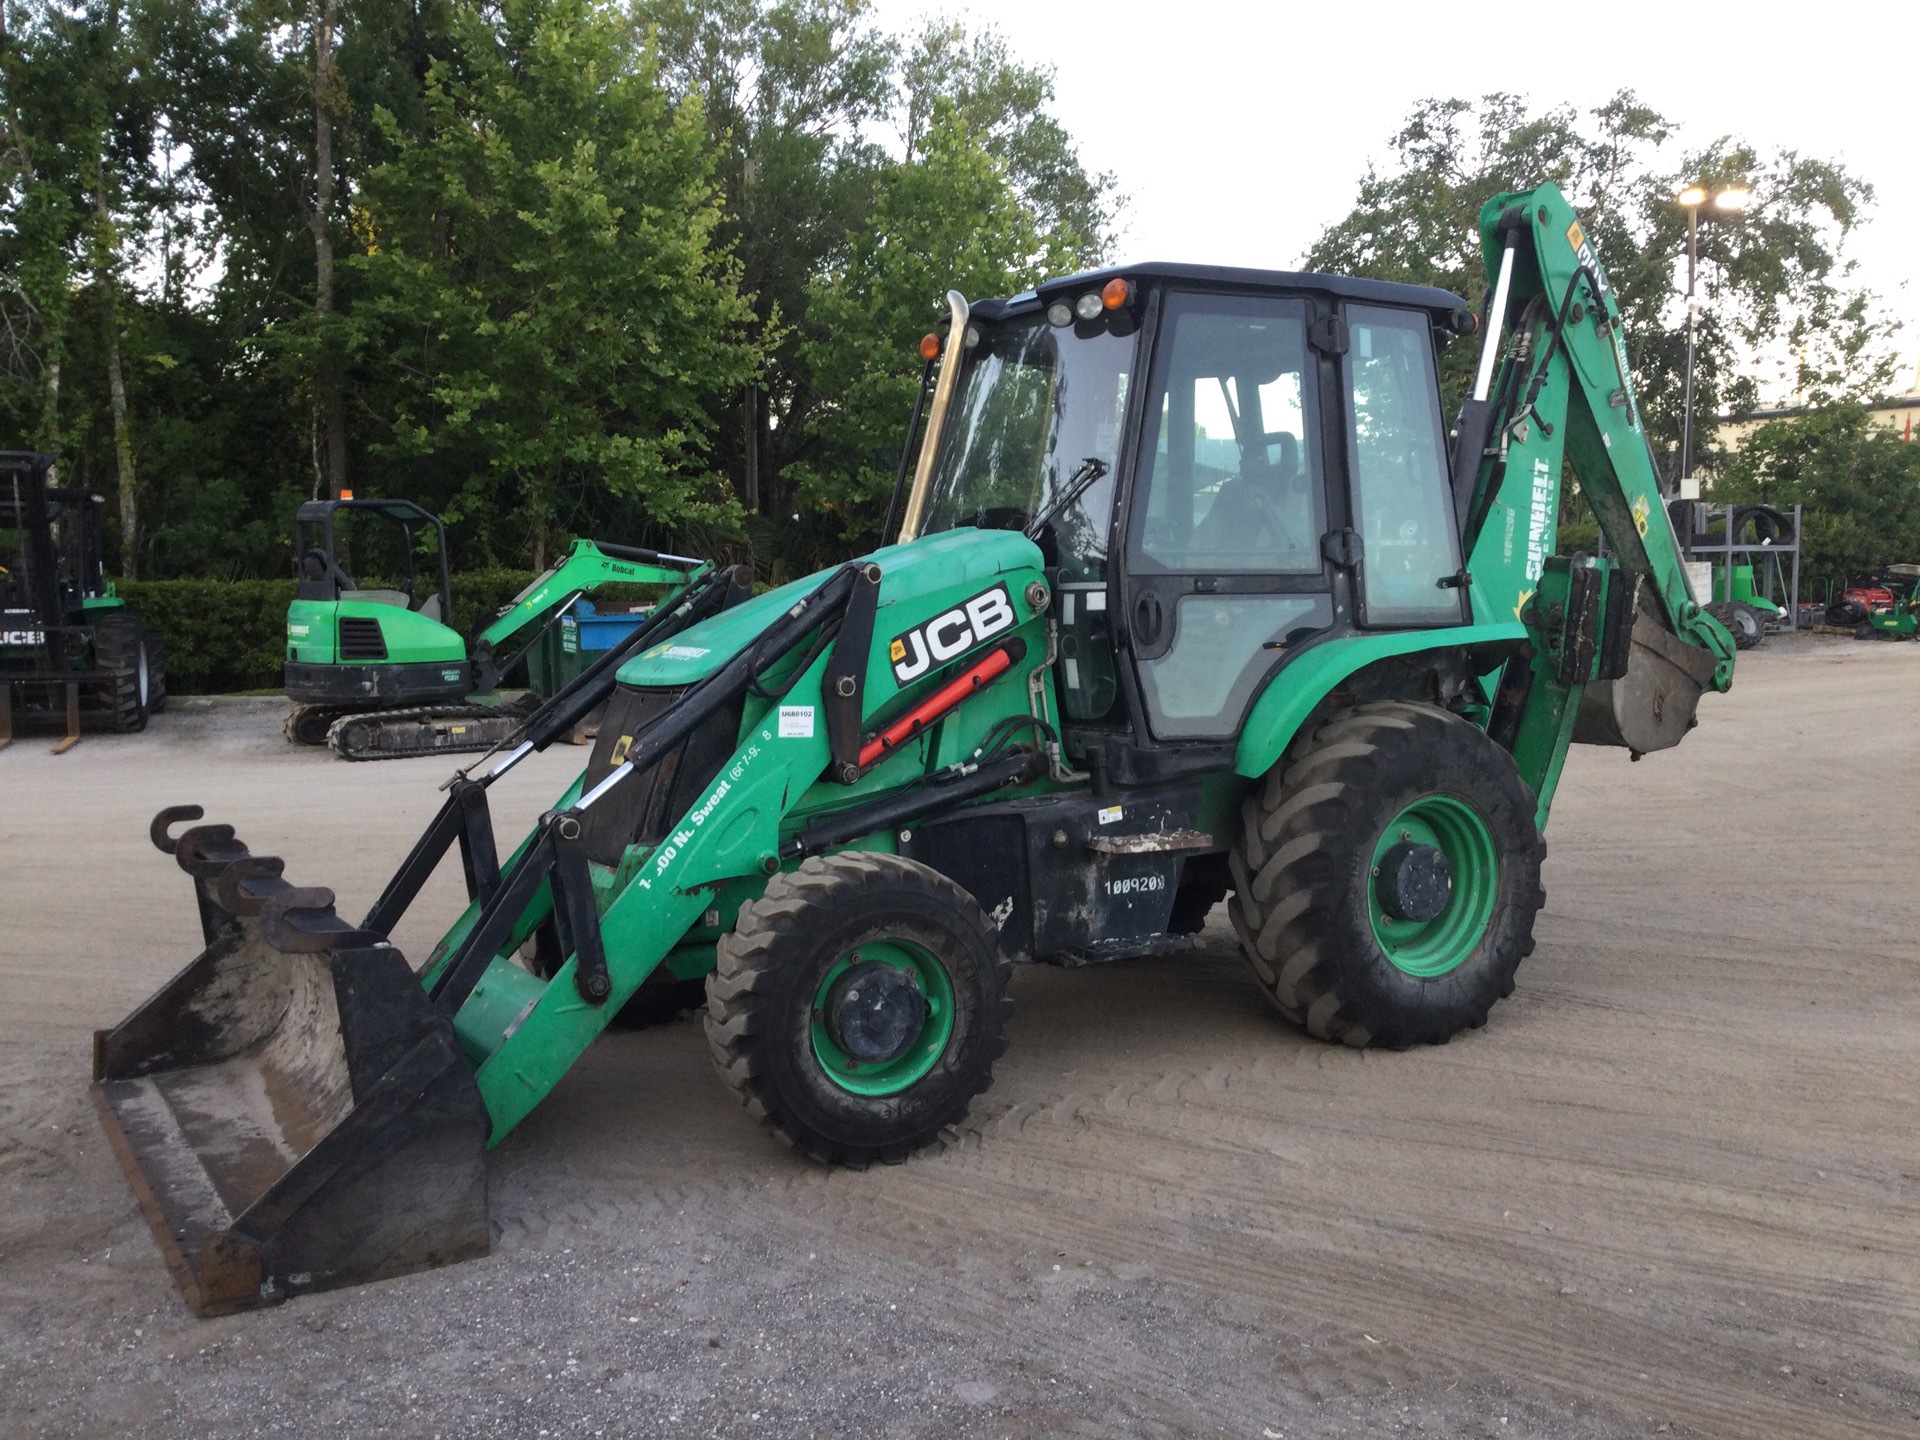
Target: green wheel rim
(1428,948)
(927,1047)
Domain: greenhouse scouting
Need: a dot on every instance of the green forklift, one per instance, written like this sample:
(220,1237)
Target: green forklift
(380,673)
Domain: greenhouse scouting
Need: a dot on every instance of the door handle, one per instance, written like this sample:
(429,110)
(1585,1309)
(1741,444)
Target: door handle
(1147,618)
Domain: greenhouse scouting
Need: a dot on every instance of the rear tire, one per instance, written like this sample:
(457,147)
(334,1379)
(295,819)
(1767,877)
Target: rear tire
(156,675)
(784,1030)
(1357,798)
(120,648)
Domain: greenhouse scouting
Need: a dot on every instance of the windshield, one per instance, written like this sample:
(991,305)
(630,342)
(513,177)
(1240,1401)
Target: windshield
(1035,430)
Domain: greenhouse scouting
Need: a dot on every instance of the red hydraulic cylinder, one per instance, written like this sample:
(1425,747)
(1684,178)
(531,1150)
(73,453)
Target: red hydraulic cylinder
(946,698)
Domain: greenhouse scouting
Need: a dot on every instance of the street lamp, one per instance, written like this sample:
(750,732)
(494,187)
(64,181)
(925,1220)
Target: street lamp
(1731,200)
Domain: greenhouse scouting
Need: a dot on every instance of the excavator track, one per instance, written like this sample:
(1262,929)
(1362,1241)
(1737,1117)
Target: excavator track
(421,730)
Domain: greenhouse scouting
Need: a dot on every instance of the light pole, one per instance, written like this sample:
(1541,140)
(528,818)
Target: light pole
(1731,199)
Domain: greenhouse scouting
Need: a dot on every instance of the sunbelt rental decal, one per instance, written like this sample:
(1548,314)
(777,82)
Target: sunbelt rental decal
(950,634)
(1539,514)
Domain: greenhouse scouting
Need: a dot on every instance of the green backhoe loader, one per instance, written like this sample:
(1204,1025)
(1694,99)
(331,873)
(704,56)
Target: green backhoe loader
(382,674)
(1192,597)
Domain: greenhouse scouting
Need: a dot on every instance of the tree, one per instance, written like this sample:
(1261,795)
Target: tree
(1859,482)
(542,305)
(946,219)
(528,261)
(1002,104)
(1774,284)
(80,128)
(798,96)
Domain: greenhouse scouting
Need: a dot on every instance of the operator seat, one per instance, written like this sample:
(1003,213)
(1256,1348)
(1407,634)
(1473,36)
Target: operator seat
(1265,507)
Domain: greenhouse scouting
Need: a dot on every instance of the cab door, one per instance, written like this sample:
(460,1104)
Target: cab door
(1224,563)
(1409,572)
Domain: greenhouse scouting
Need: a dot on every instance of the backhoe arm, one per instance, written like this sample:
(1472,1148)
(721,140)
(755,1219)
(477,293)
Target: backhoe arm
(1559,387)
(1620,649)
(588,565)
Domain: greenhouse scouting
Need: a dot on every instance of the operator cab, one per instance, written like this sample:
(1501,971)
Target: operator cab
(327,536)
(50,560)
(1222,467)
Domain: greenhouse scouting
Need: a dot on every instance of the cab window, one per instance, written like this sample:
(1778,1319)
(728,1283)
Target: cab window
(1396,452)
(1233,481)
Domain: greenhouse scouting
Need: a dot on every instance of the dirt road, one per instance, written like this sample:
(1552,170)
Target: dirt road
(1673,1187)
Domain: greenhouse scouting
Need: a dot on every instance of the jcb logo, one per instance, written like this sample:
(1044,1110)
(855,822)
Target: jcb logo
(950,634)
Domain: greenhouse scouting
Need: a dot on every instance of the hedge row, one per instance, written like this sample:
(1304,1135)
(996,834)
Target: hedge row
(228,635)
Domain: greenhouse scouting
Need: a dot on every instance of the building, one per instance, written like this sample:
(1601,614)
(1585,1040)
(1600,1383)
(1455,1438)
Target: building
(1897,412)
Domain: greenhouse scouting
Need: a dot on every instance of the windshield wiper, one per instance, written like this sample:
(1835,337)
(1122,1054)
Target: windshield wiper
(1091,469)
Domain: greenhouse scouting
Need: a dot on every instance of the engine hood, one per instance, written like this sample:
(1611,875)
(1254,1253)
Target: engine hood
(912,576)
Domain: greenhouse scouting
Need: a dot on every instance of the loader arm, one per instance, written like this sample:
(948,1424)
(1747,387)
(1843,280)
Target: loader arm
(1620,650)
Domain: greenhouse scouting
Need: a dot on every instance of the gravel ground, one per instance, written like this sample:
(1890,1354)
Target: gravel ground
(1672,1188)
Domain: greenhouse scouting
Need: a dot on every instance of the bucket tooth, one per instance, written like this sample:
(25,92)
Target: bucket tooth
(290,1109)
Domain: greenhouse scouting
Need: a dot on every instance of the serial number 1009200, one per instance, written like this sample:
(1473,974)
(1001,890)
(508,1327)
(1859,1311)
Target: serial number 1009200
(1136,884)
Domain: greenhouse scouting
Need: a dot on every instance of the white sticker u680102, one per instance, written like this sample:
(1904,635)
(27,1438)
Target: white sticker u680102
(796,722)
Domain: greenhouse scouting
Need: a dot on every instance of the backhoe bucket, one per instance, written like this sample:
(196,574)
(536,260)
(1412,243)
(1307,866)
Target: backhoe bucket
(291,1110)
(1652,706)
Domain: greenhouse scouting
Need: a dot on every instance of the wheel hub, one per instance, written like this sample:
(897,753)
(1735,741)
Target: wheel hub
(1413,882)
(875,1011)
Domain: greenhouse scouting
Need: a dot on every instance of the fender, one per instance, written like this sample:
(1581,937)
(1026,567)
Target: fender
(1299,687)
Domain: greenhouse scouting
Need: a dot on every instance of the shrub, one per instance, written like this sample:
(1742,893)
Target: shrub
(231,635)
(222,635)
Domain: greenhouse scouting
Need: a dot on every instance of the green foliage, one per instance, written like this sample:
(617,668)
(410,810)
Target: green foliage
(946,219)
(221,636)
(1859,482)
(797,94)
(568,237)
(1774,282)
(554,218)
(230,635)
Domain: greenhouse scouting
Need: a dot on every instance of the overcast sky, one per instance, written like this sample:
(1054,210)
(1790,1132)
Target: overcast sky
(1239,130)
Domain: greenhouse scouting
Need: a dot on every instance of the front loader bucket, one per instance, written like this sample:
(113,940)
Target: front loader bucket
(291,1110)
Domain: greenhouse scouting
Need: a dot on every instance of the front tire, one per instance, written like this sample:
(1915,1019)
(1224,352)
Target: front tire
(120,648)
(1386,877)
(858,1006)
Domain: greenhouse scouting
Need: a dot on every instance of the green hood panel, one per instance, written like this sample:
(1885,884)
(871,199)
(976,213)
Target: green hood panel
(917,580)
(411,638)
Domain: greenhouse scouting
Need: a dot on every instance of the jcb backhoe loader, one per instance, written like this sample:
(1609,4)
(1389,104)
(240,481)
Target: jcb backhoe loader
(382,674)
(1191,598)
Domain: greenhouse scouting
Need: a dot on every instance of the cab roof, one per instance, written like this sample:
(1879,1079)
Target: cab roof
(1438,303)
